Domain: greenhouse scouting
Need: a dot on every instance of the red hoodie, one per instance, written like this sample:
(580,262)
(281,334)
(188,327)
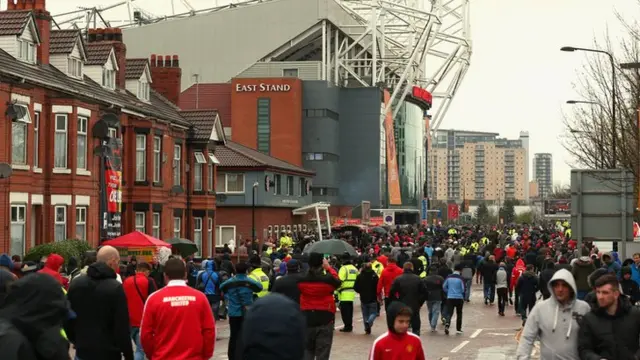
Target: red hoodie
(516,272)
(390,273)
(178,324)
(52,267)
(137,288)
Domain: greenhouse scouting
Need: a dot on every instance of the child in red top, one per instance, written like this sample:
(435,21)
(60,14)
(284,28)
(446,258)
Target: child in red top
(398,343)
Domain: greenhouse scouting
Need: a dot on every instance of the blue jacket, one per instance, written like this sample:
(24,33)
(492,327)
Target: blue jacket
(238,292)
(454,286)
(210,277)
(428,250)
(635,273)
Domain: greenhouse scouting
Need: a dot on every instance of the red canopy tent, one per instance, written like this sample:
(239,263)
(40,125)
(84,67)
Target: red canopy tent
(136,239)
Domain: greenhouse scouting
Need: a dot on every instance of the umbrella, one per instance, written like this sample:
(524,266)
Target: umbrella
(183,246)
(379,230)
(135,239)
(331,247)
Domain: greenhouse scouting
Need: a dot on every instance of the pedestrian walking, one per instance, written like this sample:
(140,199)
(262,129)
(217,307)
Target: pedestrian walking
(366,285)
(274,329)
(545,276)
(502,288)
(434,283)
(454,288)
(208,281)
(555,322)
(410,290)
(467,276)
(581,270)
(239,294)
(101,329)
(527,288)
(138,288)
(346,293)
(398,342)
(517,271)
(318,306)
(389,273)
(287,285)
(611,329)
(489,269)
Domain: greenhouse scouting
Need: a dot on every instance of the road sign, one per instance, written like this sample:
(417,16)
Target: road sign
(425,207)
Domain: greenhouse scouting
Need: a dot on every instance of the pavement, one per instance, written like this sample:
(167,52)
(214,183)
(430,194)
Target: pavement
(486,336)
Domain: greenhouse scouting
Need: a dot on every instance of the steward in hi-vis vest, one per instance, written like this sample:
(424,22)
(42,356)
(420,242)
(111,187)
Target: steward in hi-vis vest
(346,293)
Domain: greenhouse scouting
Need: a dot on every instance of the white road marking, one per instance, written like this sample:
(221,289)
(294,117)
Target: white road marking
(476,333)
(459,347)
(500,334)
(445,358)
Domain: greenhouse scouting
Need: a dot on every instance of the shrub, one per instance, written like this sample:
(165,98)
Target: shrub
(65,248)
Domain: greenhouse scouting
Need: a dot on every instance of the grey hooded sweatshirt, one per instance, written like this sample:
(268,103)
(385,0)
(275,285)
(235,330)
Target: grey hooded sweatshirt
(554,325)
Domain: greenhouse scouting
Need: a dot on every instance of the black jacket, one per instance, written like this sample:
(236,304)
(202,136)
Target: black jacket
(527,287)
(603,336)
(433,283)
(543,281)
(488,271)
(409,289)
(101,329)
(31,320)
(288,286)
(365,285)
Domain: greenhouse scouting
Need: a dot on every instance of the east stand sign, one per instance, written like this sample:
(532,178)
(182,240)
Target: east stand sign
(262,87)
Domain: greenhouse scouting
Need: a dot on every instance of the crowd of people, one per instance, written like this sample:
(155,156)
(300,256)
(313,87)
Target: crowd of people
(281,301)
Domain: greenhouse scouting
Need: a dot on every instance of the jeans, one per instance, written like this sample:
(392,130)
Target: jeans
(416,324)
(369,313)
(214,302)
(503,298)
(135,336)
(235,332)
(467,289)
(318,343)
(457,305)
(526,304)
(489,292)
(434,313)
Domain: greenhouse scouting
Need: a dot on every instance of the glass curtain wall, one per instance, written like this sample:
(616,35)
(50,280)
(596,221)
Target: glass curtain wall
(409,128)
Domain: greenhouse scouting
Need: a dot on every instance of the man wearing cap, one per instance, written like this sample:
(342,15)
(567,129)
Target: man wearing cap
(287,285)
(346,293)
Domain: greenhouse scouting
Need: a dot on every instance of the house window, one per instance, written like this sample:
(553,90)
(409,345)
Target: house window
(60,142)
(197,170)
(290,73)
(60,232)
(177,156)
(26,51)
(197,234)
(75,67)
(277,187)
(234,183)
(155,225)
(140,223)
(18,229)
(19,137)
(113,133)
(141,157)
(109,78)
(264,125)
(302,187)
(210,237)
(143,90)
(210,177)
(176,227)
(81,223)
(82,143)
(157,158)
(224,233)
(290,186)
(36,140)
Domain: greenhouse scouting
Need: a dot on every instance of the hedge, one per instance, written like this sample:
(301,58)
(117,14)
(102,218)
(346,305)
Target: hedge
(65,248)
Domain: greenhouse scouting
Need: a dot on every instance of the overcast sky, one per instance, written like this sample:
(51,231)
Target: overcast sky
(518,79)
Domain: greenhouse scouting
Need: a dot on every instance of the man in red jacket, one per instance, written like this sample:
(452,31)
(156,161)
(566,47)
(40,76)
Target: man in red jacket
(52,267)
(138,288)
(398,342)
(317,305)
(390,273)
(177,322)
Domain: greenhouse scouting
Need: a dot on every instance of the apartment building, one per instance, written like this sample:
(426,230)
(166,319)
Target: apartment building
(474,165)
(543,173)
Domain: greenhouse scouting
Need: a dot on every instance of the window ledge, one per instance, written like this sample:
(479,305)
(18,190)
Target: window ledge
(141,183)
(61,171)
(83,172)
(20,167)
(199,192)
(37,170)
(158,184)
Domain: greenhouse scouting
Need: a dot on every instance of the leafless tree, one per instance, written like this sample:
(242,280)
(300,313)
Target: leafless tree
(588,127)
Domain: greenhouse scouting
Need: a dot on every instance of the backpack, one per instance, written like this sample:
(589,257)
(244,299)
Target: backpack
(202,286)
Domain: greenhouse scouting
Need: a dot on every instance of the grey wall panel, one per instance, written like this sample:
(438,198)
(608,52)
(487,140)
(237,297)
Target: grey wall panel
(327,173)
(360,145)
(264,198)
(320,135)
(307,70)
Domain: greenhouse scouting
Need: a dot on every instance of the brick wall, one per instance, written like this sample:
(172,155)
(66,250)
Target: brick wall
(166,76)
(240,217)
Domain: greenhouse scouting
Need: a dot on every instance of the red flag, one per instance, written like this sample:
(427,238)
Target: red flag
(452,211)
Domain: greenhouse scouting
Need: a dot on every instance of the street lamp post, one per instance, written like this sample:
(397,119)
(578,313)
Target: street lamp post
(601,145)
(253,212)
(613,97)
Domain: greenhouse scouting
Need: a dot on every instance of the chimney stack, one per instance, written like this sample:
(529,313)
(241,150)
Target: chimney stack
(166,76)
(43,23)
(112,36)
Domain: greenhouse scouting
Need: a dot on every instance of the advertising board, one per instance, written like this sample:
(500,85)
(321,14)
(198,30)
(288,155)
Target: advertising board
(557,206)
(393,179)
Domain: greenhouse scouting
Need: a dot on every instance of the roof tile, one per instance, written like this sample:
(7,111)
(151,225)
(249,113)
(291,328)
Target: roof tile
(203,122)
(63,41)
(13,22)
(98,53)
(135,68)
(234,155)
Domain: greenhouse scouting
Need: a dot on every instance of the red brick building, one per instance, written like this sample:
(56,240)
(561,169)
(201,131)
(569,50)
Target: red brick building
(56,88)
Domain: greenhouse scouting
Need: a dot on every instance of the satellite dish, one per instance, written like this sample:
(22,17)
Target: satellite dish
(5,170)
(15,112)
(100,129)
(177,189)
(221,197)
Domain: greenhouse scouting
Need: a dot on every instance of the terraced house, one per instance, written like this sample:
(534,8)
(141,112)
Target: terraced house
(62,96)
